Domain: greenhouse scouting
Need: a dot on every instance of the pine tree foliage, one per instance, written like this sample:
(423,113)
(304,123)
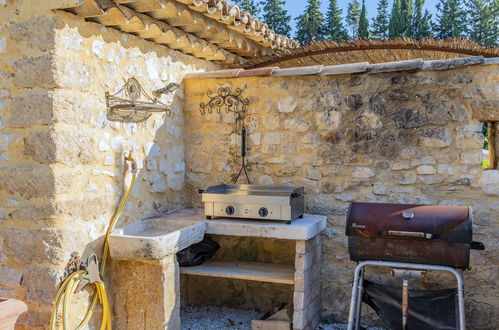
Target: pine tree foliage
(353,17)
(395,25)
(334,28)
(276,17)
(310,25)
(483,23)
(421,22)
(248,5)
(380,22)
(406,9)
(451,19)
(363,22)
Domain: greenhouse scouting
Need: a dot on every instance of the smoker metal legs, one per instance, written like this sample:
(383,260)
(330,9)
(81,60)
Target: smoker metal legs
(356,300)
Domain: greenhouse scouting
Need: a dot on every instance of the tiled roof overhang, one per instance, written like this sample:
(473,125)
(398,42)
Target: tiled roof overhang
(209,29)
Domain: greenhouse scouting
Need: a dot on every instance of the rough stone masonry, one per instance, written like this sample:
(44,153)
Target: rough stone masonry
(61,160)
(400,137)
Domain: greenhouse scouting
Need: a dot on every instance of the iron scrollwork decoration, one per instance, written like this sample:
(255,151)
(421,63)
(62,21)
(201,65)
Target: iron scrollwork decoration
(230,102)
(135,105)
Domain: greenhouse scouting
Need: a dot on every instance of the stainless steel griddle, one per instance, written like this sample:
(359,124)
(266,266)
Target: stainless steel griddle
(265,202)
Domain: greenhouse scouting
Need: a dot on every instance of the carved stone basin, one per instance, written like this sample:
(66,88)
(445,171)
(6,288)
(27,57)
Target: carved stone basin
(154,239)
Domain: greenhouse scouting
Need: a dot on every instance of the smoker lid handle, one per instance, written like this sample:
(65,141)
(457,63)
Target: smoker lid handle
(477,245)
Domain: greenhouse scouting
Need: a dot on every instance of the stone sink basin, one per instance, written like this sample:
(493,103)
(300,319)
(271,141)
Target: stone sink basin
(154,239)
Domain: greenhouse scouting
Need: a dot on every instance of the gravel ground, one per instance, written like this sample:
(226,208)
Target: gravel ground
(210,317)
(223,318)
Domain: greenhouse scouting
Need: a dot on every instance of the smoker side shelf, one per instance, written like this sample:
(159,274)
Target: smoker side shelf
(251,271)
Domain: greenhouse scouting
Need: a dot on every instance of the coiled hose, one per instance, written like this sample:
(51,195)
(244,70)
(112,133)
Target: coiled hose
(69,285)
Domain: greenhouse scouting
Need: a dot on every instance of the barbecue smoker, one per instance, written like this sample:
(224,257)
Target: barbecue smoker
(409,239)
(265,202)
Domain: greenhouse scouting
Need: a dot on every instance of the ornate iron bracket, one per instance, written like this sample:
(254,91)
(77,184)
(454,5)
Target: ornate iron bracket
(231,102)
(136,105)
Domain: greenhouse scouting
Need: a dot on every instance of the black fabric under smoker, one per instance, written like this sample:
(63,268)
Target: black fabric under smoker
(197,253)
(428,309)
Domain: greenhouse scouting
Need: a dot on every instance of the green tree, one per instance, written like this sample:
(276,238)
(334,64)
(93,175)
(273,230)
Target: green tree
(421,22)
(395,25)
(483,22)
(451,19)
(276,17)
(353,17)
(363,22)
(310,25)
(380,22)
(334,28)
(249,5)
(406,8)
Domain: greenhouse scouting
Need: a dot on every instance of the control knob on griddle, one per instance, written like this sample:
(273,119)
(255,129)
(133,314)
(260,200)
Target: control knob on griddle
(229,210)
(263,212)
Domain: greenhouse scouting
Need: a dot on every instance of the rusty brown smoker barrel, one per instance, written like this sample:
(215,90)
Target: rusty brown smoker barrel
(425,234)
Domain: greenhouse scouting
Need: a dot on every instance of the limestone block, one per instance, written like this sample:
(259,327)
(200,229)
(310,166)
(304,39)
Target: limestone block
(437,113)
(42,245)
(489,182)
(362,172)
(377,104)
(40,146)
(296,124)
(463,180)
(458,112)
(73,73)
(199,159)
(10,277)
(426,169)
(408,118)
(34,72)
(380,189)
(27,180)
(354,101)
(438,137)
(31,109)
(3,45)
(485,110)
(399,166)
(398,95)
(445,169)
(405,177)
(471,157)
(328,120)
(158,183)
(40,283)
(36,32)
(5,140)
(271,121)
(287,104)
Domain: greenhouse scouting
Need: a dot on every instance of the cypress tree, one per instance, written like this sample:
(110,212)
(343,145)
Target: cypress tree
(310,25)
(276,16)
(353,16)
(380,22)
(451,19)
(334,28)
(421,22)
(363,22)
(395,25)
(406,8)
(248,5)
(483,21)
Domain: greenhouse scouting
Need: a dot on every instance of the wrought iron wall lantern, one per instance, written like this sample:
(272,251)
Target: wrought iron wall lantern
(230,102)
(131,104)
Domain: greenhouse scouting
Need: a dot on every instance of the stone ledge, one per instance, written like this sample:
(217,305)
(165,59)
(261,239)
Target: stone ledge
(299,229)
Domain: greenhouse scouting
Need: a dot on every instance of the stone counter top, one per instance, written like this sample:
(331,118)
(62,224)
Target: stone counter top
(300,229)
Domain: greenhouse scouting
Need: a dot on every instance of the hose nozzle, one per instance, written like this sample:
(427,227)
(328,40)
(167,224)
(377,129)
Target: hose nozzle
(133,162)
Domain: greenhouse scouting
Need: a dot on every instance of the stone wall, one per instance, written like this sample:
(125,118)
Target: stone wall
(61,163)
(403,137)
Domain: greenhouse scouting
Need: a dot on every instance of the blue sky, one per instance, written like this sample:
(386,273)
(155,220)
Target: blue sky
(296,7)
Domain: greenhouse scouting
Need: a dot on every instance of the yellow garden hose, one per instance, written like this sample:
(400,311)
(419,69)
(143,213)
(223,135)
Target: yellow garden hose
(69,285)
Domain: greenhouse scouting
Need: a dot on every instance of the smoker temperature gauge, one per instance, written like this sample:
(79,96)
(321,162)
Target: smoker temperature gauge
(263,212)
(229,210)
